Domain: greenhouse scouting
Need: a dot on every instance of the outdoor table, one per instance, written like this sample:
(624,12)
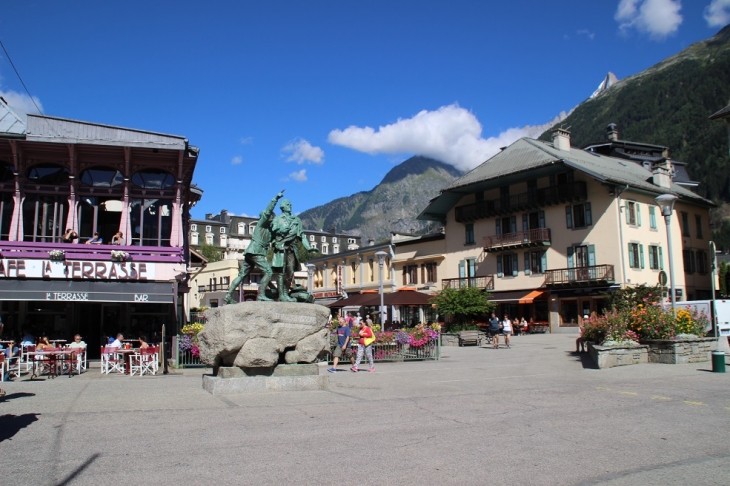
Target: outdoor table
(53,357)
(57,341)
(127,353)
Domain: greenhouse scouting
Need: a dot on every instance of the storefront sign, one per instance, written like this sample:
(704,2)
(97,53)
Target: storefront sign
(87,291)
(78,270)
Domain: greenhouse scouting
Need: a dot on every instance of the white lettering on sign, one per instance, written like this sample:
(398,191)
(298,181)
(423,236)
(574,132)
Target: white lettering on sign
(67,296)
(77,270)
(141,297)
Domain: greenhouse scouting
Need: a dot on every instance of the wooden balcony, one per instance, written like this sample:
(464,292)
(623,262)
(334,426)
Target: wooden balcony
(460,283)
(547,196)
(76,251)
(579,276)
(521,239)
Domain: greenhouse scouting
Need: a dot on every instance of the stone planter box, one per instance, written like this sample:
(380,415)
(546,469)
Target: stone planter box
(680,351)
(448,339)
(611,356)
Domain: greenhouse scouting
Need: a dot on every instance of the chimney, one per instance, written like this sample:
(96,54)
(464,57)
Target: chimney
(209,216)
(612,132)
(662,173)
(224,215)
(371,242)
(561,139)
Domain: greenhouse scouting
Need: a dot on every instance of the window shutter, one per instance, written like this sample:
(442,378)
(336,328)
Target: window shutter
(435,277)
(570,257)
(499,226)
(513,224)
(525,226)
(631,255)
(652,263)
(661,259)
(515,265)
(499,265)
(544,261)
(627,213)
(641,255)
(692,265)
(589,214)
(638,215)
(527,263)
(462,270)
(541,216)
(591,255)
(405,274)
(568,216)
(652,217)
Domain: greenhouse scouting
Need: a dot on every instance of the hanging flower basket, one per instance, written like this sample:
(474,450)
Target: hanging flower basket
(57,255)
(119,256)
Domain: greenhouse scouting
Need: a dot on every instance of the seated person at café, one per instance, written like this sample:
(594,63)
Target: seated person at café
(28,339)
(43,344)
(118,239)
(77,342)
(69,236)
(96,240)
(117,343)
(143,342)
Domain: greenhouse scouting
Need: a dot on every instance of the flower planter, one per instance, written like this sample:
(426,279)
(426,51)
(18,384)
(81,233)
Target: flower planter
(611,356)
(680,351)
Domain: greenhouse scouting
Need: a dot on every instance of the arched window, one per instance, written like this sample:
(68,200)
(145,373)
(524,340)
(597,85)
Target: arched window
(47,174)
(241,228)
(251,228)
(153,179)
(193,238)
(101,177)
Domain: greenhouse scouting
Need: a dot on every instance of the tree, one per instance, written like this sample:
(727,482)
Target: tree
(212,253)
(464,304)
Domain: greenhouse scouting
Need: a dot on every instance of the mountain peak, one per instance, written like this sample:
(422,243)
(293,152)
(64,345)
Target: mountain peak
(607,82)
(417,165)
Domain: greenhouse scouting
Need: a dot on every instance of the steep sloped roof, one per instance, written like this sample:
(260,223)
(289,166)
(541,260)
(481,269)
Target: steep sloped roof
(527,154)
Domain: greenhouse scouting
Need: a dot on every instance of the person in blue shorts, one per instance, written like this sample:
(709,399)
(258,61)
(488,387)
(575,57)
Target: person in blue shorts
(343,345)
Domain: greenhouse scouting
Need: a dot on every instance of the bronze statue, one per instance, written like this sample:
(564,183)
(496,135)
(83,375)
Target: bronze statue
(287,232)
(257,251)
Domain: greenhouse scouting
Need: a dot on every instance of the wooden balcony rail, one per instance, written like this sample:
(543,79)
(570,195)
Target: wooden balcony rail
(546,196)
(579,275)
(81,251)
(521,239)
(460,283)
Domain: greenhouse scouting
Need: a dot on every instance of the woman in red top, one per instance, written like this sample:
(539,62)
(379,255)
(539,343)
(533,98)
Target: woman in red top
(365,344)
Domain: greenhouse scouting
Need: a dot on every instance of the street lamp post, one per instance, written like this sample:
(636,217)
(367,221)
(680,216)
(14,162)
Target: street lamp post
(381,260)
(666,203)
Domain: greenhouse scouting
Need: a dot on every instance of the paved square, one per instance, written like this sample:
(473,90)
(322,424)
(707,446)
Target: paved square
(533,414)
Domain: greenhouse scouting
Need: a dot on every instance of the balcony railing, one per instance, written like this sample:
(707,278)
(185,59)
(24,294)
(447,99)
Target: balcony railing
(76,251)
(460,283)
(578,276)
(521,239)
(574,191)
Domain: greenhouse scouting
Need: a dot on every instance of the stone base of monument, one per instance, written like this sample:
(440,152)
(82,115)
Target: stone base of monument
(232,380)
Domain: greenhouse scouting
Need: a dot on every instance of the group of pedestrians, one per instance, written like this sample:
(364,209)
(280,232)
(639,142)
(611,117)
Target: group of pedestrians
(360,329)
(497,327)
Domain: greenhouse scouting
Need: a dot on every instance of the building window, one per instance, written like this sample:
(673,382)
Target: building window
(193,238)
(325,248)
(685,224)
(689,261)
(225,282)
(656,261)
(241,228)
(652,217)
(469,234)
(311,237)
(535,262)
(351,241)
(223,229)
(252,227)
(636,255)
(698,221)
(209,239)
(410,275)
(335,248)
(507,265)
(223,240)
(353,271)
(371,270)
(208,229)
(334,239)
(324,239)
(633,213)
(430,272)
(313,245)
(193,227)
(578,216)
(702,266)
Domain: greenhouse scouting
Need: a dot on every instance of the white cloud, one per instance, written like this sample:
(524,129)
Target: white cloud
(21,103)
(246,140)
(302,151)
(450,134)
(586,33)
(717,13)
(236,160)
(300,176)
(658,18)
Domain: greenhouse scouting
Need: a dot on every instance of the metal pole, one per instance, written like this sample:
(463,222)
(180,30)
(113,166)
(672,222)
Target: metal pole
(713,312)
(667,219)
(382,321)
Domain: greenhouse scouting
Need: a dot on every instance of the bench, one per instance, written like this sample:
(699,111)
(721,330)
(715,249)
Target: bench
(538,327)
(470,337)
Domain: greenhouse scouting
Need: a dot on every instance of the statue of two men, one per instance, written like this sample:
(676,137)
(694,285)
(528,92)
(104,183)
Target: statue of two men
(286,232)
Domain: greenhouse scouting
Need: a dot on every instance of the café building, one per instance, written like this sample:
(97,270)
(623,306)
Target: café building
(58,174)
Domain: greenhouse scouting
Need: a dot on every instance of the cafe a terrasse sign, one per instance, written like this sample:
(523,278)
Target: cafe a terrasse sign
(76,270)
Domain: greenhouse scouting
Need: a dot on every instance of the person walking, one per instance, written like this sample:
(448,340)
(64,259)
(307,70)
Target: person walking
(365,345)
(343,345)
(506,329)
(494,330)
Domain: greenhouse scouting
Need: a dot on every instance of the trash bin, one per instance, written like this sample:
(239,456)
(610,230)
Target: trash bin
(718,361)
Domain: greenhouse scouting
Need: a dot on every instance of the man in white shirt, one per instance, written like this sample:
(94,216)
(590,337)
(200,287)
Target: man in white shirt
(77,343)
(358,319)
(117,343)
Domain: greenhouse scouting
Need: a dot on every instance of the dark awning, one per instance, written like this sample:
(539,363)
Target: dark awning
(516,296)
(407,297)
(357,300)
(85,291)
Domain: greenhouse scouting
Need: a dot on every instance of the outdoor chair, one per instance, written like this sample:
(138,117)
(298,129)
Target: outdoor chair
(110,361)
(3,366)
(24,360)
(144,361)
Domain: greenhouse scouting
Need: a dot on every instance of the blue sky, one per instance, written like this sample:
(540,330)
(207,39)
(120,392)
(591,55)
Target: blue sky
(322,98)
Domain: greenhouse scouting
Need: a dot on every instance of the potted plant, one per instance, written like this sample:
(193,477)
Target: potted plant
(57,255)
